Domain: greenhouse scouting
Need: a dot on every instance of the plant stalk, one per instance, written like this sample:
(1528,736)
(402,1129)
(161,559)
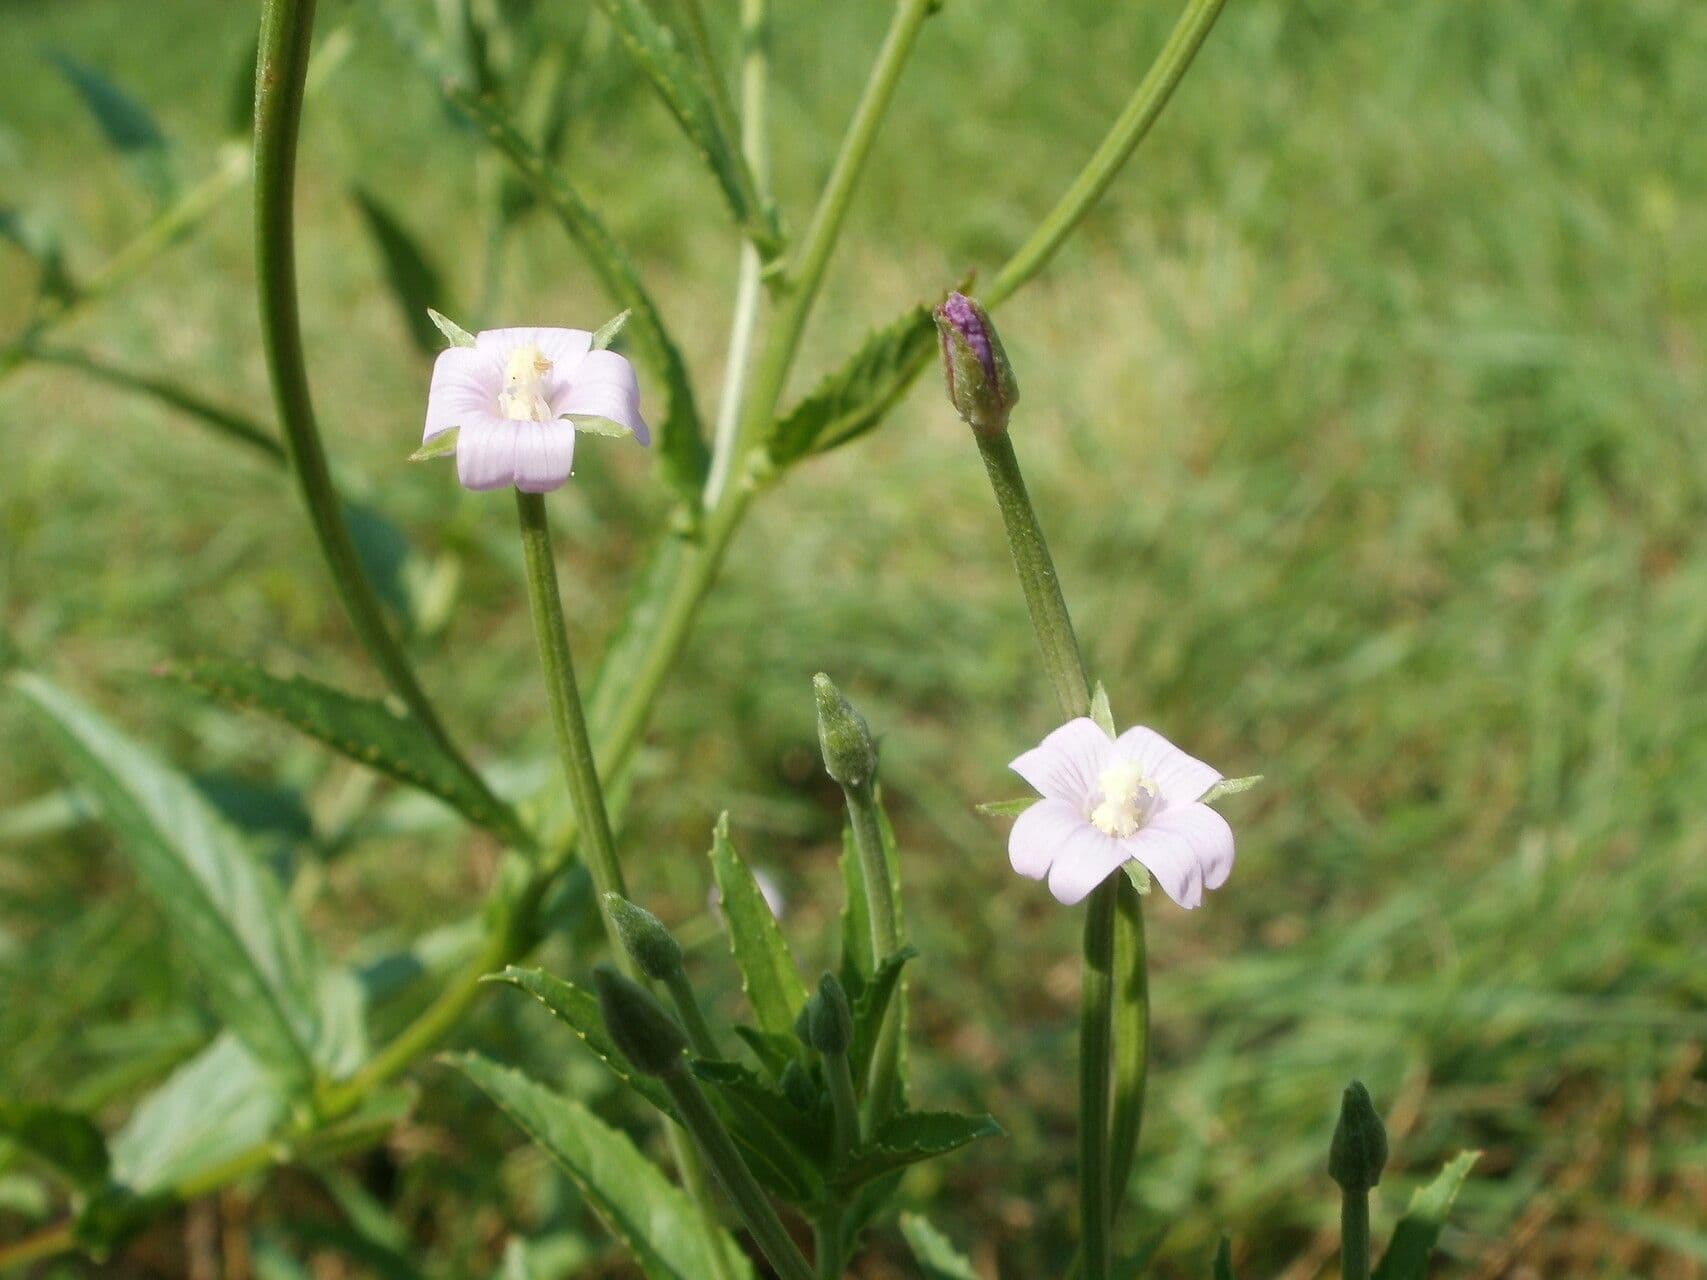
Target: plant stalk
(885,942)
(1354,1235)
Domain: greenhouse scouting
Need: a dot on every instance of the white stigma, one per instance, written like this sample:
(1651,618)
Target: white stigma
(523,396)
(1128,799)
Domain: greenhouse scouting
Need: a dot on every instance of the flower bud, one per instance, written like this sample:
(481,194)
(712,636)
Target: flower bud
(829,1019)
(1359,1149)
(981,384)
(647,1036)
(843,735)
(798,1088)
(644,937)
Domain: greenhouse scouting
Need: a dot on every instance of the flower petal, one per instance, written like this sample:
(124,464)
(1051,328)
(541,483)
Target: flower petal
(1065,765)
(1039,834)
(465,385)
(604,386)
(565,348)
(486,452)
(1182,778)
(1209,836)
(1170,858)
(545,454)
(1083,862)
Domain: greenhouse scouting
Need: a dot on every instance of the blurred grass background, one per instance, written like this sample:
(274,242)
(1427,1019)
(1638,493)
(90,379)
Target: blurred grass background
(1366,419)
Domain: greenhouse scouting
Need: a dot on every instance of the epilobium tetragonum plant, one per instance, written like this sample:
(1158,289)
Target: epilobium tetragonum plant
(800,1117)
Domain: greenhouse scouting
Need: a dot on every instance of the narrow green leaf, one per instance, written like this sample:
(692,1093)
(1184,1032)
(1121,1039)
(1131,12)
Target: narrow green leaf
(938,1259)
(217,1105)
(653,1219)
(366,731)
(67,1141)
(124,122)
(913,1136)
(680,448)
(854,399)
(690,100)
(255,960)
(1418,1231)
(578,1009)
(1229,787)
(857,962)
(599,426)
(1007,808)
(768,976)
(1101,712)
(454,333)
(869,1006)
(415,282)
(786,1149)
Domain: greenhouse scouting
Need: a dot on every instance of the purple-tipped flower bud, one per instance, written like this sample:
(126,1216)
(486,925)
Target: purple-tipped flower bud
(981,384)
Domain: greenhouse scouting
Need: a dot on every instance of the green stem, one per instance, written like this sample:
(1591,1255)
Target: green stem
(720,1155)
(806,272)
(827,1242)
(885,942)
(1096,1010)
(1131,1038)
(1112,153)
(755,146)
(1354,1235)
(286,30)
(699,40)
(1038,580)
(568,721)
(700,1035)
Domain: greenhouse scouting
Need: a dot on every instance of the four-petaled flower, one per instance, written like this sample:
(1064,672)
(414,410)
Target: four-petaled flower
(516,396)
(1106,801)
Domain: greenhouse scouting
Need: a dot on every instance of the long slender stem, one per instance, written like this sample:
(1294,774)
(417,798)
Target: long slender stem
(1354,1235)
(1095,1013)
(701,1038)
(755,146)
(724,1160)
(286,29)
(806,271)
(1112,153)
(568,721)
(1131,1038)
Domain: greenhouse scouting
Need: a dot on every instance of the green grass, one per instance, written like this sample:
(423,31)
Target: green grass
(1365,419)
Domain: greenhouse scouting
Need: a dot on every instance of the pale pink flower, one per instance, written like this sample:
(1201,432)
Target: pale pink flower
(516,397)
(1107,801)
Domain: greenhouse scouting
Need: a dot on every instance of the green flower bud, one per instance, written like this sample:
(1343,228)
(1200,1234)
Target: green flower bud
(798,1088)
(644,937)
(1359,1149)
(981,384)
(647,1036)
(849,754)
(829,1019)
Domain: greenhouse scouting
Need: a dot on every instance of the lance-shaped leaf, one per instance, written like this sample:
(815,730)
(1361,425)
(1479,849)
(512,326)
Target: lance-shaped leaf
(690,100)
(938,1259)
(67,1141)
(768,976)
(215,1107)
(366,731)
(124,122)
(782,1145)
(652,1218)
(255,960)
(415,282)
(853,399)
(681,450)
(911,1137)
(869,1007)
(1418,1231)
(578,1009)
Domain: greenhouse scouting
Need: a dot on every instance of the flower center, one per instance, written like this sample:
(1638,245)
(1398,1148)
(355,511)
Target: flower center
(1128,800)
(523,396)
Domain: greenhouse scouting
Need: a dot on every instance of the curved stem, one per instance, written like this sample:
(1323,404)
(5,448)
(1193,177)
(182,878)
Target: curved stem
(806,272)
(286,29)
(1113,152)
